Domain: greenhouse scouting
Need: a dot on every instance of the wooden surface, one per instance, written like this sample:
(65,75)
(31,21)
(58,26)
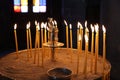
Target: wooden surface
(24,69)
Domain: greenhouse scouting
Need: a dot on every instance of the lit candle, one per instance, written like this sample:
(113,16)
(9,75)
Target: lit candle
(96,45)
(104,46)
(70,36)
(27,27)
(30,39)
(16,43)
(67,45)
(42,26)
(36,24)
(45,35)
(36,40)
(79,51)
(78,47)
(38,34)
(92,47)
(71,40)
(86,52)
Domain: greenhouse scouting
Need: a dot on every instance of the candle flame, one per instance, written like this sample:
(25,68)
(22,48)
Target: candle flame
(65,22)
(85,23)
(104,29)
(15,26)
(92,28)
(27,26)
(86,38)
(35,22)
(38,27)
(81,27)
(96,28)
(45,25)
(42,25)
(29,23)
(70,26)
(55,22)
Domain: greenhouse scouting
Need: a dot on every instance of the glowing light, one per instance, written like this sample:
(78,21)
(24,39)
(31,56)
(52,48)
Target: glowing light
(65,22)
(92,28)
(55,22)
(27,26)
(35,22)
(17,2)
(36,9)
(17,9)
(38,27)
(24,2)
(24,9)
(70,26)
(96,28)
(85,23)
(15,26)
(42,9)
(42,25)
(36,2)
(103,28)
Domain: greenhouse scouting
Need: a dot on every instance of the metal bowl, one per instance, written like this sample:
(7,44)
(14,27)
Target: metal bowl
(59,74)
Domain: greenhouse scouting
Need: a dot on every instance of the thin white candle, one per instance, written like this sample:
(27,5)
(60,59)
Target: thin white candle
(78,47)
(16,42)
(27,27)
(67,42)
(79,51)
(29,32)
(86,53)
(92,47)
(104,46)
(36,24)
(42,26)
(36,40)
(71,36)
(38,34)
(38,28)
(96,45)
(71,40)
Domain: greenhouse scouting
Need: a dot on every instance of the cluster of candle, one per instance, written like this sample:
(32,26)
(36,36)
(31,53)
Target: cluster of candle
(94,41)
(41,37)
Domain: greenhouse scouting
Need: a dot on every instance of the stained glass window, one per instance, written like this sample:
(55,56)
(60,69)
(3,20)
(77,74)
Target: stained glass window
(24,5)
(39,6)
(17,6)
(21,6)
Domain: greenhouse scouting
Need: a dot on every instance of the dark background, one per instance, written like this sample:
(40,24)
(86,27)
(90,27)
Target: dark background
(105,12)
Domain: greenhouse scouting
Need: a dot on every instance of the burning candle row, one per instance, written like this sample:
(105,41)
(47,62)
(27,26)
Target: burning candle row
(94,41)
(38,39)
(42,38)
